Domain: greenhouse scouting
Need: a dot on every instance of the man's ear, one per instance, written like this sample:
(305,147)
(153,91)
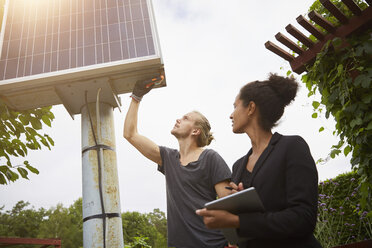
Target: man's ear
(195,131)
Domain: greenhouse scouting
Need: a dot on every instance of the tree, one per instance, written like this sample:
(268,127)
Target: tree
(56,222)
(140,230)
(64,223)
(145,228)
(158,220)
(21,221)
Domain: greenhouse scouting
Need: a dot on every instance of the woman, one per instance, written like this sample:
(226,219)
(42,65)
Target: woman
(280,167)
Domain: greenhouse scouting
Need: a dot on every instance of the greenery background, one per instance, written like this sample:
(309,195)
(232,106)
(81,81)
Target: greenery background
(66,223)
(341,219)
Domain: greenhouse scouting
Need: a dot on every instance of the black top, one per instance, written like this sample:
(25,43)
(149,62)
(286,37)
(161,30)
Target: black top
(286,180)
(246,178)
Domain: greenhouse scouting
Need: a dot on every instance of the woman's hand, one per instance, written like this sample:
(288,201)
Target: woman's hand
(217,219)
(236,188)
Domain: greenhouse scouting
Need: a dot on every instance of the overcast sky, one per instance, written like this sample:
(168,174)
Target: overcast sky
(210,48)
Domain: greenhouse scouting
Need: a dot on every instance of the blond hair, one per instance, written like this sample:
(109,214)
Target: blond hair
(206,136)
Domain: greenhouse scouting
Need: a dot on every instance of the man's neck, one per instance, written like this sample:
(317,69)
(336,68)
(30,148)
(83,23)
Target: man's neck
(189,151)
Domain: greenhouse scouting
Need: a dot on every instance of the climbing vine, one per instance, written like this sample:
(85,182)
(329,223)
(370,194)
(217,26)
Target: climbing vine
(342,73)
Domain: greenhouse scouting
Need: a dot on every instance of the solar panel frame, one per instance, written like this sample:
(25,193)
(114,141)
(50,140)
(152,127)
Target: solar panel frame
(79,51)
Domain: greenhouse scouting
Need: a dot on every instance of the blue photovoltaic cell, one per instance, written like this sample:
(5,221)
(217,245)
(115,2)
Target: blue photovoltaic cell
(52,35)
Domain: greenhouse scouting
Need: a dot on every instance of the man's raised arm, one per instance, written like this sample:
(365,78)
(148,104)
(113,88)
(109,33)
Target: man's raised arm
(144,145)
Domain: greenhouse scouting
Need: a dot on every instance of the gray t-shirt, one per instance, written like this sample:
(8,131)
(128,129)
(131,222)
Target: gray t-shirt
(189,188)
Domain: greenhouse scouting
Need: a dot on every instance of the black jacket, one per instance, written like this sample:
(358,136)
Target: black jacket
(286,180)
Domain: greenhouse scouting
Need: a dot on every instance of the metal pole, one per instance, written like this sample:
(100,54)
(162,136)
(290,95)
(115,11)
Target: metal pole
(102,226)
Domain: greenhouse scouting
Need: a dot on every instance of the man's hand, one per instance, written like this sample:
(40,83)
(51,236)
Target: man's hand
(142,87)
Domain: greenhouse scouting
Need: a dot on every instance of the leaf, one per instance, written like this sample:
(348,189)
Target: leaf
(46,120)
(4,168)
(368,116)
(336,42)
(321,129)
(314,115)
(369,127)
(20,152)
(289,73)
(335,152)
(45,143)
(31,131)
(357,121)
(22,172)
(10,126)
(347,150)
(11,175)
(367,98)
(368,47)
(366,83)
(51,141)
(316,104)
(32,169)
(2,179)
(24,120)
(36,124)
(363,80)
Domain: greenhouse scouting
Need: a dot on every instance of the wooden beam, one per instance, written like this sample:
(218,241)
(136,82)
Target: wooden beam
(278,51)
(309,27)
(321,21)
(352,7)
(288,43)
(299,36)
(334,11)
(357,23)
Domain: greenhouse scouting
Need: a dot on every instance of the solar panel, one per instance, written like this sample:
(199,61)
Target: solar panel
(50,44)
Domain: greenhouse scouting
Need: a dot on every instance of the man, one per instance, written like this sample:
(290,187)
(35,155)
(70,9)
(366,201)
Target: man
(194,175)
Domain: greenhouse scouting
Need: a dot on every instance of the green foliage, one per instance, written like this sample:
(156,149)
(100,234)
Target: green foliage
(20,221)
(152,225)
(158,219)
(319,8)
(342,73)
(340,218)
(64,223)
(139,242)
(19,132)
(139,230)
(58,222)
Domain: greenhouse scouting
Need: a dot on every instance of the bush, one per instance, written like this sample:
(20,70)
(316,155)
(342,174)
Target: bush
(340,218)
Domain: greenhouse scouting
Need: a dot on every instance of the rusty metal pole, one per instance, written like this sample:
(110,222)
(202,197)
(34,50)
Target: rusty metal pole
(102,224)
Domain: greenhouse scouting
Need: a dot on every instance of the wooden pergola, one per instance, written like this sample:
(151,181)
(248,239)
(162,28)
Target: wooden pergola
(359,22)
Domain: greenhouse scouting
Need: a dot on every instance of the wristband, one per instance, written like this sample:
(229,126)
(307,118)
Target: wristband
(137,98)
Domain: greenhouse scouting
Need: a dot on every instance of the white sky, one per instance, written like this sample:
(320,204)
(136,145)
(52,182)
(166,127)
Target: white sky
(210,50)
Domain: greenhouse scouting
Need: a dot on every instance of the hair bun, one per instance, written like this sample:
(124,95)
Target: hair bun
(284,87)
(210,138)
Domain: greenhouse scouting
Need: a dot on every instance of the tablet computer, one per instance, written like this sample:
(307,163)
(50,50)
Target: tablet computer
(244,201)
